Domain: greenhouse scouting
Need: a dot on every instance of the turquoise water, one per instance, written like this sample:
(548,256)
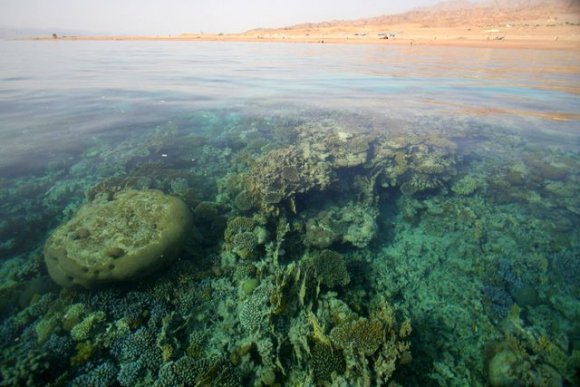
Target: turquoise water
(360,215)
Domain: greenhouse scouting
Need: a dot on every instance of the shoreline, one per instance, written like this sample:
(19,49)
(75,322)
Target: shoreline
(539,44)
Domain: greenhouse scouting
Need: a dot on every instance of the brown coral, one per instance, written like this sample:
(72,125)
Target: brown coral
(243,236)
(326,362)
(237,225)
(362,335)
(244,244)
(244,201)
(330,268)
(319,233)
(285,172)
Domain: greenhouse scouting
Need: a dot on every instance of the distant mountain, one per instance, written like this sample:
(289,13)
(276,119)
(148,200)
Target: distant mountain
(454,5)
(15,32)
(453,13)
(446,6)
(10,32)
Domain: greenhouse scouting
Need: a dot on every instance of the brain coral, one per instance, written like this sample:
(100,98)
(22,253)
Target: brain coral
(126,237)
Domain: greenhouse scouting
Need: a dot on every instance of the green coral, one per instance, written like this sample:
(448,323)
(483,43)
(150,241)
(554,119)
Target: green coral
(414,163)
(121,238)
(46,327)
(28,370)
(206,211)
(465,186)
(419,183)
(82,330)
(249,284)
(186,371)
(319,232)
(73,316)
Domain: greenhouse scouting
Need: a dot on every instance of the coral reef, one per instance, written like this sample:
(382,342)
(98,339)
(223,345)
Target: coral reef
(316,254)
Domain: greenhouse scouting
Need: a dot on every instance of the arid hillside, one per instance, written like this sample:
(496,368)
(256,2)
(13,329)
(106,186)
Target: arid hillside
(453,19)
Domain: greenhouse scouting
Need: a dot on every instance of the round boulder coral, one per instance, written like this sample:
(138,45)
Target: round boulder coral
(124,238)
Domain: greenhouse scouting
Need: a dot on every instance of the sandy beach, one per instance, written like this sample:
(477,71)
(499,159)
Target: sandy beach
(563,37)
(441,40)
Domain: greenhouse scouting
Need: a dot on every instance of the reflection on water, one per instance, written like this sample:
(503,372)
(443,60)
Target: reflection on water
(361,214)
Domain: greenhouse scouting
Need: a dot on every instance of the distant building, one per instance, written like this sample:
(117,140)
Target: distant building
(388,35)
(495,34)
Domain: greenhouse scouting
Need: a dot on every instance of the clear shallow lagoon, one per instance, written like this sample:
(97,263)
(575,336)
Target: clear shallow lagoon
(340,195)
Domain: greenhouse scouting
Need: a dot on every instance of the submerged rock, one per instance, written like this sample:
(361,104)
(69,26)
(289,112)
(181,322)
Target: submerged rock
(126,237)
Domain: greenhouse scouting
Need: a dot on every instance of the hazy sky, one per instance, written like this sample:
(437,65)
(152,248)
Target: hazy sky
(177,16)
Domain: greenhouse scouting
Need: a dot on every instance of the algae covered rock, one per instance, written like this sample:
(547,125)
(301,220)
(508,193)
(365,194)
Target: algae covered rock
(126,237)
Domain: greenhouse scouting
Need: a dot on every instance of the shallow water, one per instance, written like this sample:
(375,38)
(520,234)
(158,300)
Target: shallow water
(379,187)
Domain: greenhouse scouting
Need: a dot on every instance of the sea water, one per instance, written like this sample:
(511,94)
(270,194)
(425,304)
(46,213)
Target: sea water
(362,213)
